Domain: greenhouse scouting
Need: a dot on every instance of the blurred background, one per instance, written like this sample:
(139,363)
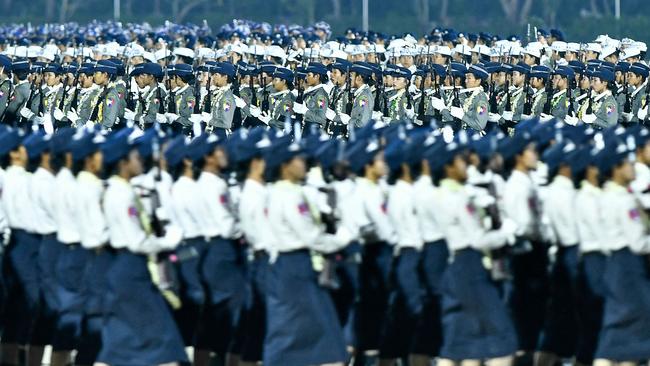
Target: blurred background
(581,20)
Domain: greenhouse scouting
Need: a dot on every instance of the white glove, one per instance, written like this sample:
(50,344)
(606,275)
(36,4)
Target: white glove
(239,102)
(494,117)
(589,118)
(160,118)
(330,114)
(438,104)
(72,116)
(627,116)
(344,118)
(173,236)
(643,112)
(129,115)
(410,113)
(299,108)
(507,115)
(386,120)
(58,114)
(448,134)
(265,118)
(457,112)
(89,124)
(255,111)
(545,117)
(196,118)
(48,126)
(171,117)
(571,120)
(26,112)
(376,115)
(526,116)
(206,117)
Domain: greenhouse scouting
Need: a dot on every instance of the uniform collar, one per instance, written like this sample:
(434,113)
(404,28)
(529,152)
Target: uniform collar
(359,90)
(177,90)
(636,90)
(451,185)
(559,93)
(602,95)
(281,93)
(312,88)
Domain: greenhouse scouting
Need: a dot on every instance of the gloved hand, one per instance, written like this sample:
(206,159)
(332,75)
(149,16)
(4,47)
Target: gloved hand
(545,117)
(300,108)
(507,115)
(330,114)
(206,117)
(171,117)
(643,112)
(345,118)
(376,115)
(265,118)
(129,115)
(457,112)
(526,116)
(160,118)
(571,120)
(58,114)
(196,118)
(26,113)
(438,104)
(589,118)
(239,102)
(494,117)
(509,229)
(72,116)
(255,111)
(410,113)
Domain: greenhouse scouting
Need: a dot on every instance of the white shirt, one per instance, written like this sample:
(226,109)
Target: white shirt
(16,198)
(144,184)
(295,224)
(460,221)
(3,218)
(589,218)
(125,230)
(253,209)
(401,212)
(348,205)
(186,204)
(43,201)
(67,208)
(641,183)
(426,203)
(624,222)
(560,208)
(92,224)
(217,218)
(521,204)
(375,210)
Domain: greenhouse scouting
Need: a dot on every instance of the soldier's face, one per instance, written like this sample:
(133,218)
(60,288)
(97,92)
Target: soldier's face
(279,84)
(399,83)
(517,78)
(134,163)
(338,77)
(379,167)
(101,77)
(644,154)
(471,81)
(457,170)
(295,169)
(94,162)
(529,157)
(559,82)
(312,79)
(537,82)
(598,85)
(500,78)
(626,171)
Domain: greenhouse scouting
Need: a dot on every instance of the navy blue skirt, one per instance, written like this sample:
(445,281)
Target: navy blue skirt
(48,255)
(476,323)
(255,311)
(192,293)
(223,273)
(95,287)
(374,278)
(625,334)
(560,329)
(434,259)
(70,270)
(303,328)
(21,277)
(405,306)
(139,328)
(590,304)
(345,298)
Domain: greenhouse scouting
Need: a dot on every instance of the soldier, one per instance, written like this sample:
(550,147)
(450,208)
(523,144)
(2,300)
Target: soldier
(104,105)
(513,114)
(474,110)
(400,107)
(148,109)
(539,76)
(636,78)
(5,84)
(601,109)
(562,76)
(281,101)
(184,99)
(219,121)
(85,95)
(316,100)
(363,103)
(338,98)
(54,93)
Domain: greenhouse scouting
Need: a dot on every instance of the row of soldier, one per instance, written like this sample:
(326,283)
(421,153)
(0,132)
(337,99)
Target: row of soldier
(402,243)
(324,86)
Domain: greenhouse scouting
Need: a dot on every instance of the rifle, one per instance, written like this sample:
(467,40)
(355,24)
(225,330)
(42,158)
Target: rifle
(348,89)
(421,109)
(549,91)
(647,102)
(237,120)
(41,107)
(95,114)
(32,89)
(171,102)
(570,88)
(494,106)
(207,107)
(528,103)
(590,109)
(456,99)
(75,95)
(436,93)
(627,106)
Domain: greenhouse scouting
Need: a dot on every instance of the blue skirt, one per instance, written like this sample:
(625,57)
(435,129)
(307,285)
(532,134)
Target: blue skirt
(21,277)
(70,270)
(405,306)
(255,312)
(223,273)
(560,329)
(476,323)
(95,287)
(48,255)
(434,259)
(625,334)
(139,328)
(590,304)
(346,263)
(302,325)
(192,293)
(374,278)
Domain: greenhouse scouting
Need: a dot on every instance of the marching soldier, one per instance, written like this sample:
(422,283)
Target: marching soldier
(316,101)
(219,121)
(184,99)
